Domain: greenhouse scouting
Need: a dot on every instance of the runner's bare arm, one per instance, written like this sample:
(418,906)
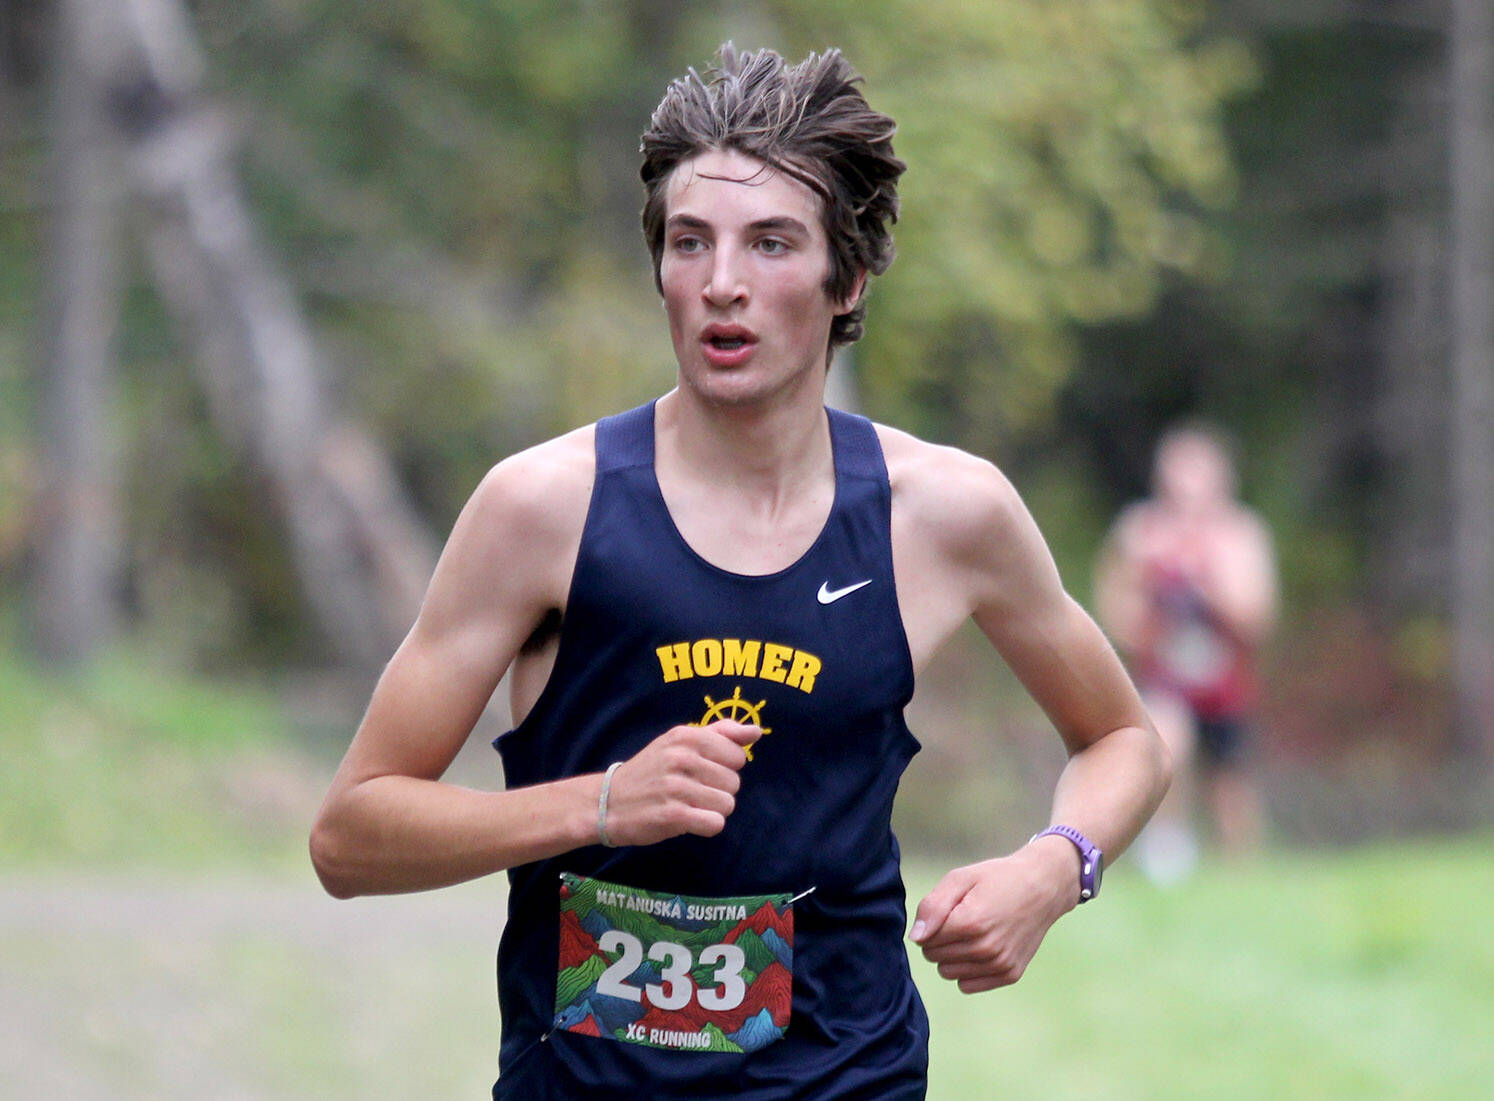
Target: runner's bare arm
(1241,581)
(389,823)
(983,923)
(1120,593)
(1118,769)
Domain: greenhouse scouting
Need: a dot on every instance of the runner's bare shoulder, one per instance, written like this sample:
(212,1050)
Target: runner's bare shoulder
(523,523)
(543,490)
(957,497)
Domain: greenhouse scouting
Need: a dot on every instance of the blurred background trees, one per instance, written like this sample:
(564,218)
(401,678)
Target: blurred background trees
(282,279)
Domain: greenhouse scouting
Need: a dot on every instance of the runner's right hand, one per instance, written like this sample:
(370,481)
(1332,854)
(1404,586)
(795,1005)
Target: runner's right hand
(684,781)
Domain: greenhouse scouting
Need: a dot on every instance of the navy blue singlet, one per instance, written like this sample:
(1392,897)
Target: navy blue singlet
(653,636)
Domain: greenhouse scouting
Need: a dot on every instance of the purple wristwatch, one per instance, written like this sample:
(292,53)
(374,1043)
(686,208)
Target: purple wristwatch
(1091,859)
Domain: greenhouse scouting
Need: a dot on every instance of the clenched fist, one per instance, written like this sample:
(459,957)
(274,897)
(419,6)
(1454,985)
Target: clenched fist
(983,923)
(684,781)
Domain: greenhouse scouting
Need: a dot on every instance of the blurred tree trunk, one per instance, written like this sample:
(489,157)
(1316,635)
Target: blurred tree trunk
(842,390)
(362,556)
(1471,94)
(1411,415)
(78,537)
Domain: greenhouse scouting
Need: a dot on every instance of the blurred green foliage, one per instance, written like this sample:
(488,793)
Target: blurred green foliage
(1116,213)
(454,186)
(409,155)
(1062,158)
(1288,345)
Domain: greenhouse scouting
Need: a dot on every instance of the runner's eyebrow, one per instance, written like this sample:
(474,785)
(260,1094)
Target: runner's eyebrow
(782,223)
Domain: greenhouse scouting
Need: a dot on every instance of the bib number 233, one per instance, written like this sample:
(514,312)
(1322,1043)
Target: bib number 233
(673,971)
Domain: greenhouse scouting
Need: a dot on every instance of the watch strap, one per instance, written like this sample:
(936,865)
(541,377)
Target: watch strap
(1090,858)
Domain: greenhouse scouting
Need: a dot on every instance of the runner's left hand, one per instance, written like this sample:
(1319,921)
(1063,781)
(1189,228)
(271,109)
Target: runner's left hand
(983,923)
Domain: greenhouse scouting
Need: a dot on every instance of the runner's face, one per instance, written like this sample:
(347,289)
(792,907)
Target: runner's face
(1194,473)
(743,271)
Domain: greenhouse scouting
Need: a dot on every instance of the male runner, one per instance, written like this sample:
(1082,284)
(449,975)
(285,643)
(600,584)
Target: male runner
(713,608)
(1186,585)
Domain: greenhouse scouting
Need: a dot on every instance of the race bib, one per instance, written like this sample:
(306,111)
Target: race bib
(673,971)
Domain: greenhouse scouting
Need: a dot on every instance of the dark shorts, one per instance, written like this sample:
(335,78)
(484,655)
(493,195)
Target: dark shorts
(1223,742)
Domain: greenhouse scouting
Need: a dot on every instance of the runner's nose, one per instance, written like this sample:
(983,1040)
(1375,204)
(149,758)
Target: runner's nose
(726,286)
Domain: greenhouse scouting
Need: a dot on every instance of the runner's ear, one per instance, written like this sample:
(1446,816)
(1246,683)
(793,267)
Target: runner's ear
(846,304)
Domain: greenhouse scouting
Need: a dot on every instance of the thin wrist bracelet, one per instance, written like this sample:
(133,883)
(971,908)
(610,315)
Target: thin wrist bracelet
(602,805)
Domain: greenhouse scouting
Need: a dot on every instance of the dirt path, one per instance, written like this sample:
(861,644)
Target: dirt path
(154,986)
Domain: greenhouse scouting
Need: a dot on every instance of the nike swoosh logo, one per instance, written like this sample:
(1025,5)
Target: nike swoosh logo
(826,595)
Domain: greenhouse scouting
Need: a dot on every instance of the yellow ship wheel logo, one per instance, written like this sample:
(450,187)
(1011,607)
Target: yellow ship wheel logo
(737,710)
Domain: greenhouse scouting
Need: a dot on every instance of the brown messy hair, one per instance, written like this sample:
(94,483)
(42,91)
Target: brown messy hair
(809,121)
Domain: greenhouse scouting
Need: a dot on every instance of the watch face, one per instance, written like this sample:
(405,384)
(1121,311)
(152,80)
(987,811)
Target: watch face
(1099,859)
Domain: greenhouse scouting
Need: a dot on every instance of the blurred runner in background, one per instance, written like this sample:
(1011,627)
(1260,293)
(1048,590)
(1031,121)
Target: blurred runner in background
(1186,586)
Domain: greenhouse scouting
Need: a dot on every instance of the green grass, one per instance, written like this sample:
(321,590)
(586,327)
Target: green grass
(131,764)
(1364,975)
